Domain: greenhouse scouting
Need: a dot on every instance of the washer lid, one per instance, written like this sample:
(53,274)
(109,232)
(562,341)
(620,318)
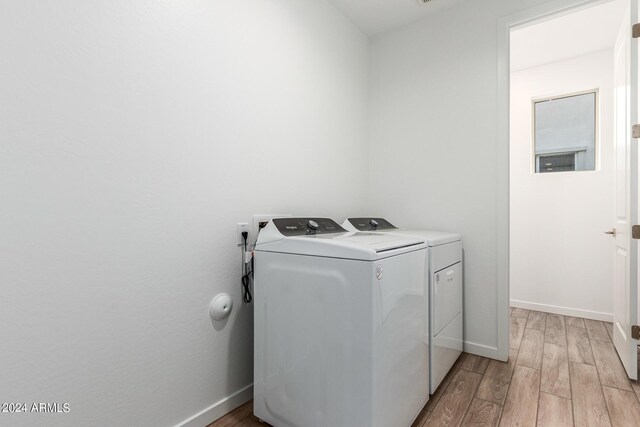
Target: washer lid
(367,246)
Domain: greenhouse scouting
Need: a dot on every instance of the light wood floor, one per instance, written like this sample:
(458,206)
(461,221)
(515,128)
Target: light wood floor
(562,371)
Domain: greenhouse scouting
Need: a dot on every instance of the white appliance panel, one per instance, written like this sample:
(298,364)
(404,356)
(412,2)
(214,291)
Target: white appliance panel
(445,255)
(314,332)
(447,296)
(401,335)
(446,347)
(338,340)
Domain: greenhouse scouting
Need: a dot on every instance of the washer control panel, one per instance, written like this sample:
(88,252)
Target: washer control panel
(371,224)
(307,226)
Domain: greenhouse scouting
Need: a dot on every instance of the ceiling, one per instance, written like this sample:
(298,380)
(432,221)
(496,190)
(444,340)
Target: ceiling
(579,33)
(377,16)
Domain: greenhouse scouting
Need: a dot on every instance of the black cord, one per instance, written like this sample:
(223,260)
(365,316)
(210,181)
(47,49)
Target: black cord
(246,291)
(247,276)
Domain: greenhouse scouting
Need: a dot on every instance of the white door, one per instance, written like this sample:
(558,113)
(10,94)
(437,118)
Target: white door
(625,280)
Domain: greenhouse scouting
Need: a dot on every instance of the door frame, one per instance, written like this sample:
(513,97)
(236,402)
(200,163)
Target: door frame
(548,10)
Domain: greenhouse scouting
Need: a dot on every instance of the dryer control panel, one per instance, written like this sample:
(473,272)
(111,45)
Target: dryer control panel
(371,224)
(307,226)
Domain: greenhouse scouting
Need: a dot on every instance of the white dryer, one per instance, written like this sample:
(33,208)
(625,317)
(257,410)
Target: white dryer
(445,284)
(340,330)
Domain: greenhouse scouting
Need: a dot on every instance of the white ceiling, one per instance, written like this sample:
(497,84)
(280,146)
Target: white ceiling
(377,16)
(570,35)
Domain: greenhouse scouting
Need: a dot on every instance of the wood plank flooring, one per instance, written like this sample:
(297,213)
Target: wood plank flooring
(562,371)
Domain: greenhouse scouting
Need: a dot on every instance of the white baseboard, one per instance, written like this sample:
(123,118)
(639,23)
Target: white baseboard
(480,350)
(565,311)
(242,396)
(219,409)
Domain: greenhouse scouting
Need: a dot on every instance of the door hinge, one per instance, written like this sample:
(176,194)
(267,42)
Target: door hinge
(635,131)
(635,31)
(635,332)
(635,232)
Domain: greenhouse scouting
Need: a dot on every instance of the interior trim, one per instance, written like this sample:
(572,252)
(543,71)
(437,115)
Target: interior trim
(219,409)
(565,311)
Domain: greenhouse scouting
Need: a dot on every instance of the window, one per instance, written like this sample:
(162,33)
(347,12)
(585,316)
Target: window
(564,133)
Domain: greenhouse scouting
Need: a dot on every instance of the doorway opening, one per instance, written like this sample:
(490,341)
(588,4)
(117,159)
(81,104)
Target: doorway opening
(566,120)
(561,162)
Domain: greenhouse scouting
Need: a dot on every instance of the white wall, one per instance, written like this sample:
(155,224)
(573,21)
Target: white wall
(133,136)
(561,260)
(434,142)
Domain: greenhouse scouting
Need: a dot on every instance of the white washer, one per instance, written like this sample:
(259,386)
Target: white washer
(340,330)
(445,292)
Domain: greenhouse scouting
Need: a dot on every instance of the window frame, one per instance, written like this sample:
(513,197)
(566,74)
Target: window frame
(596,129)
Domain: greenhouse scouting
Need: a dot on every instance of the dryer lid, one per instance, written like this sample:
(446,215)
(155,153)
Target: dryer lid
(433,238)
(370,224)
